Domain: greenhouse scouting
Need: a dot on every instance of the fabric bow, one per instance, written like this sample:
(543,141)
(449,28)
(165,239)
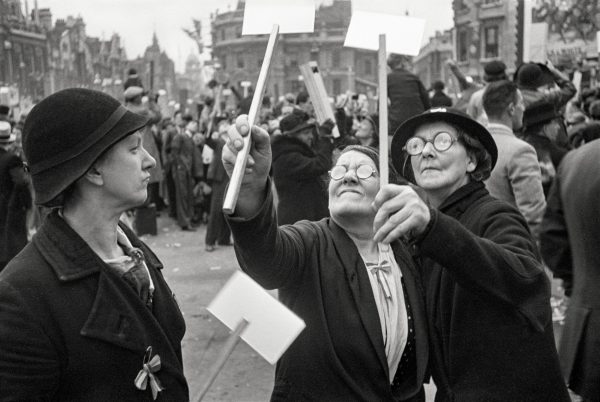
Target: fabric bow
(150,366)
(378,270)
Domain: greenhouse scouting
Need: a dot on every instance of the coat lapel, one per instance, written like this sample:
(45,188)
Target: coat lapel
(358,280)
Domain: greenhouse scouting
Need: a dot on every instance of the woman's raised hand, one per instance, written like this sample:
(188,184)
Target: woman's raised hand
(401,213)
(259,158)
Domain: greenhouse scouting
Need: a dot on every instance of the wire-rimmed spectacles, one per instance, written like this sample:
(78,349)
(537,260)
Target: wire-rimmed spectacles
(441,142)
(362,172)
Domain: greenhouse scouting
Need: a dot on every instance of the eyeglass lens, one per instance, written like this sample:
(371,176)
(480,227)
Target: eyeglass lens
(441,142)
(362,172)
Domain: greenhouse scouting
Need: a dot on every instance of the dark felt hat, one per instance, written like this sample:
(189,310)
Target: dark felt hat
(66,132)
(495,70)
(4,109)
(530,75)
(294,123)
(452,116)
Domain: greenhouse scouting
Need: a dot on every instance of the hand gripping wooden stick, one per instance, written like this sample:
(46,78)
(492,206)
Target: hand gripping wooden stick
(239,168)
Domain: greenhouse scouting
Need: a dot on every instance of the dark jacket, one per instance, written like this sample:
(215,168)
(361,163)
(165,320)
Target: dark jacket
(569,238)
(73,330)
(320,275)
(299,174)
(15,200)
(407,95)
(488,302)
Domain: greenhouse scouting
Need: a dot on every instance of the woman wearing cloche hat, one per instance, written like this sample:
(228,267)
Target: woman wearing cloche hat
(487,293)
(85,313)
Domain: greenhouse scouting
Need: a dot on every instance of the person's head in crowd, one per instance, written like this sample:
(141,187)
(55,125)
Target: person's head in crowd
(594,110)
(296,125)
(438,86)
(192,126)
(503,103)
(304,103)
(441,150)
(286,110)
(133,95)
(85,157)
(289,99)
(530,76)
(4,112)
(368,131)
(178,119)
(399,61)
(7,137)
(495,70)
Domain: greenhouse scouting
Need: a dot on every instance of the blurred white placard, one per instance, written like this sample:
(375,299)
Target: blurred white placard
(293,16)
(272,326)
(598,41)
(403,34)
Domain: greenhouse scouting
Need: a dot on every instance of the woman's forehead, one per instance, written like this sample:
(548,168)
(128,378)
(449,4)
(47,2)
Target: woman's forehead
(354,158)
(433,128)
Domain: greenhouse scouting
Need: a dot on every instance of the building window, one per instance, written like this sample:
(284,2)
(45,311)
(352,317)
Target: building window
(490,42)
(337,86)
(223,34)
(335,58)
(240,61)
(368,67)
(238,31)
(463,46)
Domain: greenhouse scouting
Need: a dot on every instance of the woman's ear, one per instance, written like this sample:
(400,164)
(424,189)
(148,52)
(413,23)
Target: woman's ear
(471,163)
(94,175)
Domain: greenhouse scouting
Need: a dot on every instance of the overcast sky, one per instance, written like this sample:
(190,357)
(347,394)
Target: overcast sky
(136,20)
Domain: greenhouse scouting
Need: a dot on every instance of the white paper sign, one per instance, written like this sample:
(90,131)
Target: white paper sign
(403,34)
(293,16)
(598,41)
(272,326)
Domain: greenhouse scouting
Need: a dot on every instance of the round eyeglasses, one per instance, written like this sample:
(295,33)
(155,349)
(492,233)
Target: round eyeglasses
(441,142)
(362,172)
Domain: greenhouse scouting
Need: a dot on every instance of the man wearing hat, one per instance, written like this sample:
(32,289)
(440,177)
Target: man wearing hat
(495,70)
(406,92)
(15,198)
(298,170)
(85,313)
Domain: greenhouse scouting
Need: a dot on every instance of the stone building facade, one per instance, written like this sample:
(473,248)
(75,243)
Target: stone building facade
(343,69)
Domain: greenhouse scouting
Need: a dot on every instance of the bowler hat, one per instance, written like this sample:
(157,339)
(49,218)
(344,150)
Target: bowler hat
(66,132)
(6,137)
(452,116)
(294,123)
(4,109)
(530,75)
(495,70)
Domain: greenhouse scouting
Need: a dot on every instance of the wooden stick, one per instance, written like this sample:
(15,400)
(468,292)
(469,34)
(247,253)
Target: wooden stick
(383,114)
(239,169)
(230,344)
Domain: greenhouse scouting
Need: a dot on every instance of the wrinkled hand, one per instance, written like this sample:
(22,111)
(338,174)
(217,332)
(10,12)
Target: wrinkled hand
(259,159)
(327,127)
(401,213)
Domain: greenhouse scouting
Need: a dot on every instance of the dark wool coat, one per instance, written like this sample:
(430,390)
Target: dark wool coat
(73,330)
(571,247)
(407,95)
(320,275)
(298,172)
(15,200)
(488,302)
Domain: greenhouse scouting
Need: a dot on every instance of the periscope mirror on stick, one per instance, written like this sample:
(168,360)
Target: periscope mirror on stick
(266,17)
(377,26)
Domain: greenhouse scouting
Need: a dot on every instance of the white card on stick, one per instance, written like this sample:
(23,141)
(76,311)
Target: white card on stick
(272,326)
(292,16)
(403,34)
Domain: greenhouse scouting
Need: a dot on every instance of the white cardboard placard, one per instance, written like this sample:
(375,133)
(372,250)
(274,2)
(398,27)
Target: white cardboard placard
(272,326)
(403,34)
(292,16)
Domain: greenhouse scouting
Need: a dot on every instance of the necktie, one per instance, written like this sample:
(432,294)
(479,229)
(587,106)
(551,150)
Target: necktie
(379,270)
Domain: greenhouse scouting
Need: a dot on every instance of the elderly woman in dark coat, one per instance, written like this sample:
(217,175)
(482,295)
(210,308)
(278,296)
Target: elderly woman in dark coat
(487,294)
(365,336)
(85,313)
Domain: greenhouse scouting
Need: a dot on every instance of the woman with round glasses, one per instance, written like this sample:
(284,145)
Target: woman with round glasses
(365,337)
(487,295)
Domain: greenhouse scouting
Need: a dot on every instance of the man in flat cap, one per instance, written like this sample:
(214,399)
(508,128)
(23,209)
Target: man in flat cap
(85,313)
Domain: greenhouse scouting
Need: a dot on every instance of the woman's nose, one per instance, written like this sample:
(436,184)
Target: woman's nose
(428,149)
(149,161)
(350,176)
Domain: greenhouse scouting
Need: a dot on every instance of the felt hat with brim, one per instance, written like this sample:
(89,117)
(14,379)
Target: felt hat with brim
(295,123)
(65,134)
(6,136)
(448,115)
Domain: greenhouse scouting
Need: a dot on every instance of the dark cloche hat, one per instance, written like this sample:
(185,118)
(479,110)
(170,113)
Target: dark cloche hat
(294,123)
(66,132)
(530,75)
(495,70)
(452,116)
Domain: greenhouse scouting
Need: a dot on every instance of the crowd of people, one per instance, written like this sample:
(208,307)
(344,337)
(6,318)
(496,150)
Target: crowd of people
(441,273)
